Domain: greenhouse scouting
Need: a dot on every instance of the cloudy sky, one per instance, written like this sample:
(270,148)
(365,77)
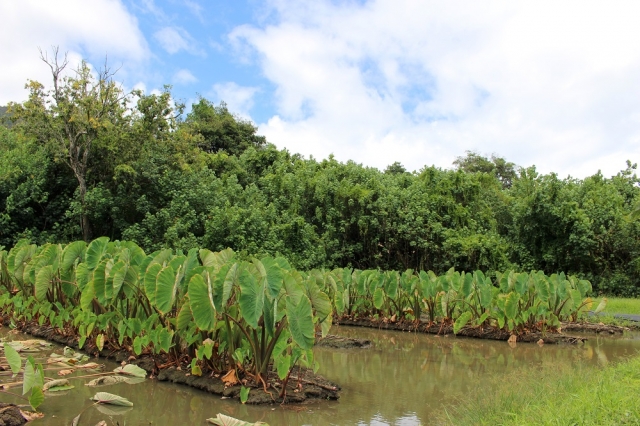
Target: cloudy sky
(550,83)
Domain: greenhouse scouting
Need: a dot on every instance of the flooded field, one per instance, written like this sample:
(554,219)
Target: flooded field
(403,379)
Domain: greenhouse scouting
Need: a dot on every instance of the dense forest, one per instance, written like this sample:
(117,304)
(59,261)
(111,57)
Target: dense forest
(81,158)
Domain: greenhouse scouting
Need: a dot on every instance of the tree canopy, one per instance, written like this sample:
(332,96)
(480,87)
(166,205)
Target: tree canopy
(209,180)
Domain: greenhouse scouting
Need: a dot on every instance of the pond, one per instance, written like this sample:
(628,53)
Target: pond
(403,379)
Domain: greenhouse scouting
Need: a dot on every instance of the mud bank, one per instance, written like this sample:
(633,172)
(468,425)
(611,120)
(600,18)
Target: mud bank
(447,329)
(302,386)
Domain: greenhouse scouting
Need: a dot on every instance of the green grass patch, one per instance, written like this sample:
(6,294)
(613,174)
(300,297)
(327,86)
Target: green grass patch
(555,395)
(619,305)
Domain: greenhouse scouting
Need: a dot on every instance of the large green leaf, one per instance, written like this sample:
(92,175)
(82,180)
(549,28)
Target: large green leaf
(378,298)
(521,283)
(167,288)
(117,276)
(43,282)
(224,280)
(87,296)
(511,305)
(223,420)
(185,315)
(461,321)
(13,358)
(300,319)
(150,278)
(542,287)
(467,285)
(391,285)
(270,274)
(201,302)
(102,286)
(97,248)
(319,300)
(251,299)
(109,398)
(72,252)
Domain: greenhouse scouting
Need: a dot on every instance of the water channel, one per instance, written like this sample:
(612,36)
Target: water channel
(404,379)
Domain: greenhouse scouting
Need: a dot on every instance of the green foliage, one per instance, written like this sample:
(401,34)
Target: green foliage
(254,313)
(209,180)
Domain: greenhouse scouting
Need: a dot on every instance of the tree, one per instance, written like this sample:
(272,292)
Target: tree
(473,162)
(221,130)
(73,116)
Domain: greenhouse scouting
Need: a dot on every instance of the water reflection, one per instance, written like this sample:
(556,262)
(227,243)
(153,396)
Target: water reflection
(402,380)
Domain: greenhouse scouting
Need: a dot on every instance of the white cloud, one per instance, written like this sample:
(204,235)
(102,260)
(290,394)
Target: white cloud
(548,83)
(90,32)
(184,76)
(175,39)
(239,99)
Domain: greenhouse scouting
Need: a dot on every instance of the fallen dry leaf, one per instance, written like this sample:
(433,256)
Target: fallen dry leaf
(29,416)
(230,378)
(512,338)
(64,372)
(540,342)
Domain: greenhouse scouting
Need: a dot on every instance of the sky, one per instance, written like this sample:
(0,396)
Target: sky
(555,84)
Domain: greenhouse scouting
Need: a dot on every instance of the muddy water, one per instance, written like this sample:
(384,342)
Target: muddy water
(402,380)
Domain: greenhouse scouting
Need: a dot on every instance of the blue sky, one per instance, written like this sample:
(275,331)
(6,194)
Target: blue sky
(549,83)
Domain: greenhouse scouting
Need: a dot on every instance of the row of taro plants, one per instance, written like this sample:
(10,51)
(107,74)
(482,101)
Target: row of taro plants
(206,308)
(516,302)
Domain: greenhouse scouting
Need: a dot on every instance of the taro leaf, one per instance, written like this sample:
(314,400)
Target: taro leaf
(166,288)
(461,321)
(222,420)
(150,281)
(270,275)
(112,410)
(283,363)
(36,398)
(251,298)
(106,380)
(29,378)
(467,285)
(57,385)
(13,358)
(511,305)
(378,298)
(301,322)
(72,252)
(137,345)
(244,394)
(95,251)
(100,341)
(184,317)
(43,281)
(207,257)
(164,339)
(109,398)
(87,296)
(201,302)
(131,370)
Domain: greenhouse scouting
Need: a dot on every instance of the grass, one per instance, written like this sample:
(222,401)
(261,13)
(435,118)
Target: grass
(619,305)
(555,395)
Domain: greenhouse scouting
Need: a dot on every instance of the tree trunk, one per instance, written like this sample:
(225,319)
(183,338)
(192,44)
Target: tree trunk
(84,221)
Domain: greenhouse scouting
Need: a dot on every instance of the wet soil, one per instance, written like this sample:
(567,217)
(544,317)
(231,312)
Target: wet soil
(10,415)
(342,342)
(303,385)
(586,327)
(490,333)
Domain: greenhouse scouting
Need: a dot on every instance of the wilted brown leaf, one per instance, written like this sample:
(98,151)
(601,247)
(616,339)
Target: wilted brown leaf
(64,372)
(29,416)
(230,378)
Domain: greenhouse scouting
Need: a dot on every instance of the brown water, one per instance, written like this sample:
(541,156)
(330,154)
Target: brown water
(404,379)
